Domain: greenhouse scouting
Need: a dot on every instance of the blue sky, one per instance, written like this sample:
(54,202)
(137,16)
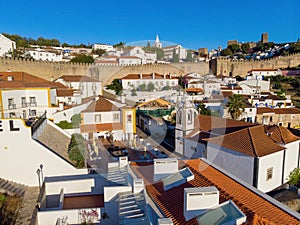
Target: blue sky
(191,23)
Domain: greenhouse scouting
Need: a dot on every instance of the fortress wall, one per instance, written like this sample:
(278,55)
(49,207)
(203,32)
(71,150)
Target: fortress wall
(226,66)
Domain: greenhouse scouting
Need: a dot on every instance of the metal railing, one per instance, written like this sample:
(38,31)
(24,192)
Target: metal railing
(11,106)
(37,123)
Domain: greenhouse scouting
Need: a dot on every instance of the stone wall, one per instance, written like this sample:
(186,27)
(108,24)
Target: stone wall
(105,73)
(230,67)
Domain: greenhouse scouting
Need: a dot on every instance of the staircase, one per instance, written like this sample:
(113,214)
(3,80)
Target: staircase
(29,196)
(12,188)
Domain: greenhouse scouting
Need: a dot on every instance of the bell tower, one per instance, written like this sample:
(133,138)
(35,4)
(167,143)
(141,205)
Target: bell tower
(185,118)
(157,43)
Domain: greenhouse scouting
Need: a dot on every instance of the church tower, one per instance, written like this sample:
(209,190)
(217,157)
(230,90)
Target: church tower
(185,117)
(157,43)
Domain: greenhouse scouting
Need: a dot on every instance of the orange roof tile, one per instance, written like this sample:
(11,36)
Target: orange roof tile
(257,209)
(261,110)
(86,128)
(194,90)
(77,78)
(64,92)
(219,125)
(101,105)
(252,141)
(25,80)
(280,135)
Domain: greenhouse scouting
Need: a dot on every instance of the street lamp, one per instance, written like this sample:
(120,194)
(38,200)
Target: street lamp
(38,171)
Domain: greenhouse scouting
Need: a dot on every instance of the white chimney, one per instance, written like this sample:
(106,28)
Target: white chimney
(123,161)
(141,76)
(61,106)
(138,185)
(198,200)
(123,98)
(165,221)
(164,76)
(10,78)
(164,167)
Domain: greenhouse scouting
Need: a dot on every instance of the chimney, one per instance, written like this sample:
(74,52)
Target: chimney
(61,106)
(198,200)
(164,76)
(10,78)
(123,98)
(165,221)
(153,76)
(164,167)
(141,76)
(138,185)
(123,161)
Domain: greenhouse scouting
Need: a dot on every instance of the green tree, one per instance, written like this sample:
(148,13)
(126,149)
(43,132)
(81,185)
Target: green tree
(245,48)
(99,52)
(294,177)
(166,88)
(236,105)
(234,47)
(150,86)
(203,110)
(226,52)
(76,119)
(77,150)
(189,56)
(175,56)
(159,53)
(116,85)
(82,59)
(119,45)
(142,87)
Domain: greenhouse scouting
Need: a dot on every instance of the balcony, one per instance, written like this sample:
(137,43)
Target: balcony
(32,104)
(11,106)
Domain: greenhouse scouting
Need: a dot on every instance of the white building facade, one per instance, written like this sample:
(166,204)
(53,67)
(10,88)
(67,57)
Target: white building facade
(6,45)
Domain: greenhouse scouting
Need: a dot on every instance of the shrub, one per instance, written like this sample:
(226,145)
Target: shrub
(77,150)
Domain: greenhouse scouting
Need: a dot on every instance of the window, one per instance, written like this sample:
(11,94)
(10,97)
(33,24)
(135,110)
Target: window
(129,118)
(32,113)
(98,118)
(32,101)
(116,117)
(269,173)
(23,102)
(190,117)
(271,119)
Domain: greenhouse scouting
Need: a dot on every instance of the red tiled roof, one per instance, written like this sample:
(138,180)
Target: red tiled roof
(147,76)
(25,80)
(261,110)
(219,125)
(273,97)
(252,141)
(64,92)
(86,128)
(101,105)
(280,134)
(257,209)
(77,78)
(194,90)
(263,70)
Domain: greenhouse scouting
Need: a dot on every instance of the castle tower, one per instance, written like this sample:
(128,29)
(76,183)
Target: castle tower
(157,43)
(264,38)
(185,117)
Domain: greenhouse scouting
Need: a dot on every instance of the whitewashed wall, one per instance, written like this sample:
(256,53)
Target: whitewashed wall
(21,156)
(291,158)
(236,163)
(274,160)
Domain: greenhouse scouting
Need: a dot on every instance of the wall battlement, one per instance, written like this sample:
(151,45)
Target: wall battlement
(228,67)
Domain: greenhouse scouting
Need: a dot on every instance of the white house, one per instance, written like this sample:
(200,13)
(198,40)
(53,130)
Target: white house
(259,74)
(179,50)
(105,47)
(23,95)
(88,86)
(146,57)
(129,60)
(51,55)
(133,81)
(105,116)
(6,45)
(22,156)
(255,154)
